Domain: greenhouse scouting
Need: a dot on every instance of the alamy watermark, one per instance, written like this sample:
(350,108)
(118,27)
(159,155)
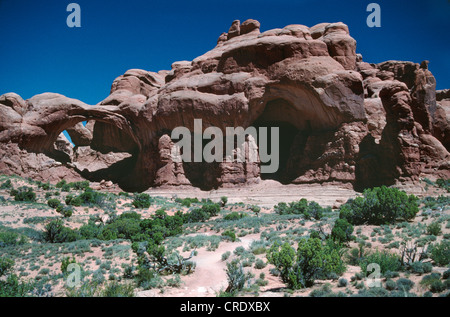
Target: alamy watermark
(374,18)
(74,18)
(374,278)
(242,145)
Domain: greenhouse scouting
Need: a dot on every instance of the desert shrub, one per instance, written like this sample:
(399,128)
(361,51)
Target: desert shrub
(260,264)
(223,200)
(309,210)
(380,205)
(420,267)
(230,234)
(226,255)
(53,203)
(211,209)
(404,284)
(82,185)
(446,275)
(45,186)
(440,253)
(24,193)
(142,201)
(312,260)
(196,215)
(56,232)
(116,289)
(148,279)
(187,201)
(434,229)
(90,197)
(342,282)
(73,200)
(6,185)
(10,284)
(314,210)
(203,214)
(433,282)
(6,265)
(235,216)
(66,261)
(236,277)
(65,211)
(372,292)
(61,183)
(388,262)
(121,228)
(342,231)
(390,285)
(443,183)
(256,210)
(11,238)
(90,230)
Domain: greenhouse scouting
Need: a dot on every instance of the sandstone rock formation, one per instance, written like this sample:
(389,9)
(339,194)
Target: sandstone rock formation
(340,118)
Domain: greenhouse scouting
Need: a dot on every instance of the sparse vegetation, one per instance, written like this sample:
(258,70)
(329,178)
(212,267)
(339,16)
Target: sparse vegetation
(380,205)
(124,243)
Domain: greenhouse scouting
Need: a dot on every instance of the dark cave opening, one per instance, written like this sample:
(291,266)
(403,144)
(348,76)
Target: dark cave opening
(286,136)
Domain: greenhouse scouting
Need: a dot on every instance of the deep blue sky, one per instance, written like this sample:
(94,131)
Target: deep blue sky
(39,53)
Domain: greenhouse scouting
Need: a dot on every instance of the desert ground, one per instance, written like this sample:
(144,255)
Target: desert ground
(106,261)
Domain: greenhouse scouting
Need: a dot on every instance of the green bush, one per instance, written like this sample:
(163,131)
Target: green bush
(187,201)
(9,238)
(443,183)
(434,229)
(211,209)
(440,253)
(56,232)
(24,193)
(433,282)
(6,185)
(446,275)
(202,214)
(223,200)
(342,282)
(61,183)
(73,200)
(196,215)
(6,265)
(45,186)
(260,264)
(83,185)
(309,210)
(388,262)
(236,277)
(53,203)
(342,231)
(234,216)
(404,284)
(116,289)
(420,267)
(380,205)
(256,209)
(230,235)
(390,285)
(142,201)
(66,261)
(67,212)
(122,228)
(312,260)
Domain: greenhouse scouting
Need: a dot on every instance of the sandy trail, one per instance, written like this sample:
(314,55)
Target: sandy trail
(209,277)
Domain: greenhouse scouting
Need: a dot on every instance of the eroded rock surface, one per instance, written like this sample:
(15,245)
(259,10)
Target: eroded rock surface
(341,119)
